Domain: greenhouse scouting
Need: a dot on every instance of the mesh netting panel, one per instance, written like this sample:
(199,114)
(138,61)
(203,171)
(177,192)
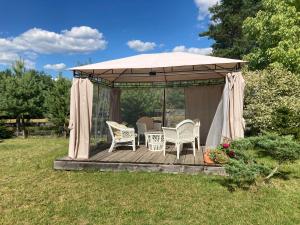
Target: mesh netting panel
(101,99)
(175,106)
(136,103)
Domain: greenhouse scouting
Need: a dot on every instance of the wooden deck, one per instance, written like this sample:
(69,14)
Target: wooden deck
(142,160)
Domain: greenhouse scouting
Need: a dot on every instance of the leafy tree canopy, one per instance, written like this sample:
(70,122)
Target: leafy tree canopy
(23,92)
(275,33)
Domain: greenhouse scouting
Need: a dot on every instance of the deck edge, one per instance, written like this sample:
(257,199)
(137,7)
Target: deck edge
(63,164)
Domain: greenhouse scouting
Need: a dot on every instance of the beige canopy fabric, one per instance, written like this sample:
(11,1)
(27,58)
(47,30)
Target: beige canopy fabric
(160,67)
(228,121)
(235,124)
(80,118)
(201,103)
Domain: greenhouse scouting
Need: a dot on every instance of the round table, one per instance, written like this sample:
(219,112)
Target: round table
(154,140)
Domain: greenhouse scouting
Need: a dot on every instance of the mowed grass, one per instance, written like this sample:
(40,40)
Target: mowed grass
(31,192)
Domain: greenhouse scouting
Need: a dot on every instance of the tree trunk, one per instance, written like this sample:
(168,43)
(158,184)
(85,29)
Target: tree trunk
(18,125)
(24,127)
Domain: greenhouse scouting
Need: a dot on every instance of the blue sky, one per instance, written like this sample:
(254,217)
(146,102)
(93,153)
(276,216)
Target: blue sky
(54,35)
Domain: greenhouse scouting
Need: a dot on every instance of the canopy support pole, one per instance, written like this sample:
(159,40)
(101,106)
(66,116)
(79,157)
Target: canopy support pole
(164,109)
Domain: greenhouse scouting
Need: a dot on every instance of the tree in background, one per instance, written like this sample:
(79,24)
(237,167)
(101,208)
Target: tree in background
(275,32)
(136,103)
(18,68)
(272,101)
(23,94)
(226,27)
(58,104)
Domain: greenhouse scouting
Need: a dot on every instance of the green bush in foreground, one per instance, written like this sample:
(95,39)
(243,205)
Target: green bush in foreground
(242,174)
(244,170)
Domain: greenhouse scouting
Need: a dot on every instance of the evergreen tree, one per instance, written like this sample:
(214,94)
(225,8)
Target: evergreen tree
(226,27)
(58,104)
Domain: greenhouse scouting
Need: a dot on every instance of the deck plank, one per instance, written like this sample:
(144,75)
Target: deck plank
(130,157)
(170,158)
(143,155)
(99,156)
(157,157)
(147,156)
(199,157)
(116,155)
(181,157)
(189,157)
(160,158)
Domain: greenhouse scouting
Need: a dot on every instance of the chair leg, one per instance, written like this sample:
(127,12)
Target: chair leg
(146,140)
(164,148)
(198,141)
(111,147)
(138,139)
(194,148)
(133,145)
(178,146)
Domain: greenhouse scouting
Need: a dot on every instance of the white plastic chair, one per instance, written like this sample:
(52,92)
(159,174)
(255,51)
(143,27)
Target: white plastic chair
(182,133)
(121,135)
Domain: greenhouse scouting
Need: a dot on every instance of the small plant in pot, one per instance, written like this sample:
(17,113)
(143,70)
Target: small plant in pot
(222,153)
(219,156)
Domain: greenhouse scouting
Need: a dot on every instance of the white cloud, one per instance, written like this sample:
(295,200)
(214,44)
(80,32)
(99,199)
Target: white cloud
(203,6)
(58,67)
(77,40)
(201,51)
(38,41)
(141,46)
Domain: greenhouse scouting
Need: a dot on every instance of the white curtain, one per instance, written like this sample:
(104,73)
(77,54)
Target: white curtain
(80,123)
(228,121)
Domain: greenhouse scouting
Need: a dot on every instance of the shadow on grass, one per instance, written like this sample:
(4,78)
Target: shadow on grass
(285,175)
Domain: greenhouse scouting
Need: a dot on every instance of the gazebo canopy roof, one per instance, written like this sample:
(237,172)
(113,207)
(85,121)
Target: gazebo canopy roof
(159,67)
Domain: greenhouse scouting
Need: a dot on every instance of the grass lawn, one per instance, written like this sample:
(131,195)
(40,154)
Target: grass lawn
(31,192)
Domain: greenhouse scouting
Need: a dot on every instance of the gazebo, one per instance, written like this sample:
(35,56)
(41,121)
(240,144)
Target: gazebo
(213,93)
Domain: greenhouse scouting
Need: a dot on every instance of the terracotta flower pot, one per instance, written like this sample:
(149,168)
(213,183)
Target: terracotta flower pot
(207,159)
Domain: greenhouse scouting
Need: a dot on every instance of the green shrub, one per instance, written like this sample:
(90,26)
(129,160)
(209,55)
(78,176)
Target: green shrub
(242,174)
(244,171)
(243,144)
(272,101)
(280,148)
(5,132)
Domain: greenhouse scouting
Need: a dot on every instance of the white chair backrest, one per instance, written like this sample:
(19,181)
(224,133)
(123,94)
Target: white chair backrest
(185,129)
(141,127)
(113,126)
(148,121)
(116,125)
